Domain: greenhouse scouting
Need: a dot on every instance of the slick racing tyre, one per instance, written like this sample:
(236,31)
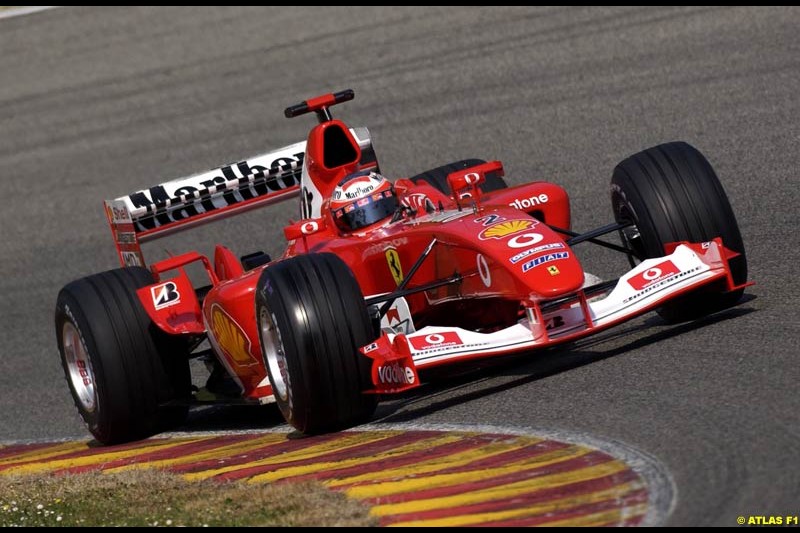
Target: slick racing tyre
(312,320)
(120,367)
(437,177)
(671,193)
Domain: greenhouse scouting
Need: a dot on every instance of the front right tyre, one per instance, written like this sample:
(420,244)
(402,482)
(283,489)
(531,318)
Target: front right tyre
(122,370)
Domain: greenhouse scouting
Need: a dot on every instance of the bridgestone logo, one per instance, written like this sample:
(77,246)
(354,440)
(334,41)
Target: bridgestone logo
(527,203)
(654,286)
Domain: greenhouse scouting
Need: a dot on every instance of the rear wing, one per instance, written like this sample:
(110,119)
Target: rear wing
(226,191)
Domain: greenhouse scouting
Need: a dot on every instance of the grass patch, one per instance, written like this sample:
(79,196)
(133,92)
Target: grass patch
(158,498)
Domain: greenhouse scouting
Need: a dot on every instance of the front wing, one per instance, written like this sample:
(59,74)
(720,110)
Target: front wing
(396,358)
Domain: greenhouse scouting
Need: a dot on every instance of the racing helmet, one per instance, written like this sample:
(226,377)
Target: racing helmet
(362,199)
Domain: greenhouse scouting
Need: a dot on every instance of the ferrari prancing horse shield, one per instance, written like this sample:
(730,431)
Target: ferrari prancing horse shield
(393,260)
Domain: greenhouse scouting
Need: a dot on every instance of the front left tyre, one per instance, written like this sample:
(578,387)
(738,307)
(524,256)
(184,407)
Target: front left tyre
(122,370)
(312,320)
(670,193)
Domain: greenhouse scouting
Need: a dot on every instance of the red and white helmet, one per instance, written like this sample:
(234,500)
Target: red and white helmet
(362,199)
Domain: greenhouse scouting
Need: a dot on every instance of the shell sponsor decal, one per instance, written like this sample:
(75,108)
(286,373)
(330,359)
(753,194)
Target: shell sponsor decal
(231,338)
(504,229)
(409,477)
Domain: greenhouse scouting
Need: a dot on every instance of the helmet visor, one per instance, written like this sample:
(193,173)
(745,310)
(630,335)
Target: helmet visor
(353,216)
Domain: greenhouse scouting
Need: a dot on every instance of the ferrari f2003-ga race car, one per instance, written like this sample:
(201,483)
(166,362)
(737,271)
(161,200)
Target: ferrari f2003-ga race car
(379,280)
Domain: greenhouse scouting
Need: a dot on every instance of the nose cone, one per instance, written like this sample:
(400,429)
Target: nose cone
(552,272)
(537,257)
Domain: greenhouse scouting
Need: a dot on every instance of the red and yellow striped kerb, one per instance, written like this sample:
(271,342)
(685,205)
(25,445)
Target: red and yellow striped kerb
(409,478)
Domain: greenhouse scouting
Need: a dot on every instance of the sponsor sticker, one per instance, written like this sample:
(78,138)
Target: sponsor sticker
(395,267)
(165,295)
(488,220)
(436,340)
(132,259)
(658,283)
(527,203)
(544,259)
(543,248)
(126,237)
(310,227)
(231,337)
(661,271)
(265,175)
(483,271)
(501,230)
(526,239)
(371,347)
(396,374)
(472,178)
(84,372)
(356,191)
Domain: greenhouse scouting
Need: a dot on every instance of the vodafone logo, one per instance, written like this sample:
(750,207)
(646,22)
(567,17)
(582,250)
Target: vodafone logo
(483,271)
(526,239)
(663,270)
(471,178)
(309,227)
(436,340)
(396,374)
(653,273)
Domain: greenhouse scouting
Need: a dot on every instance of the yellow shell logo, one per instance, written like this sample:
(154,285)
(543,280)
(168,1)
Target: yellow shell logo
(504,229)
(230,337)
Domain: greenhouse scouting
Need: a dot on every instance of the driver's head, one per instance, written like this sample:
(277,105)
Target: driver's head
(362,199)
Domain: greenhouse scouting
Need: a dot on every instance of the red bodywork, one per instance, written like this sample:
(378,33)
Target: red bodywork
(509,260)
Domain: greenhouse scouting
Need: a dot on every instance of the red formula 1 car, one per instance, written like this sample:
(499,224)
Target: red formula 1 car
(379,281)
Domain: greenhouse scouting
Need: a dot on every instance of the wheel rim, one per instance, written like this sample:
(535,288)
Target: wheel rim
(79,366)
(274,354)
(630,236)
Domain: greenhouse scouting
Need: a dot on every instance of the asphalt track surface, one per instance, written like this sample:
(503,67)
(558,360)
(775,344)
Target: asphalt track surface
(98,102)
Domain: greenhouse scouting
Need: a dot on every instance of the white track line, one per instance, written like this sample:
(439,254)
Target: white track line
(19,11)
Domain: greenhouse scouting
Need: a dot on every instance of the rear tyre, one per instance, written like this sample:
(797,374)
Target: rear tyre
(437,177)
(120,367)
(671,193)
(312,320)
